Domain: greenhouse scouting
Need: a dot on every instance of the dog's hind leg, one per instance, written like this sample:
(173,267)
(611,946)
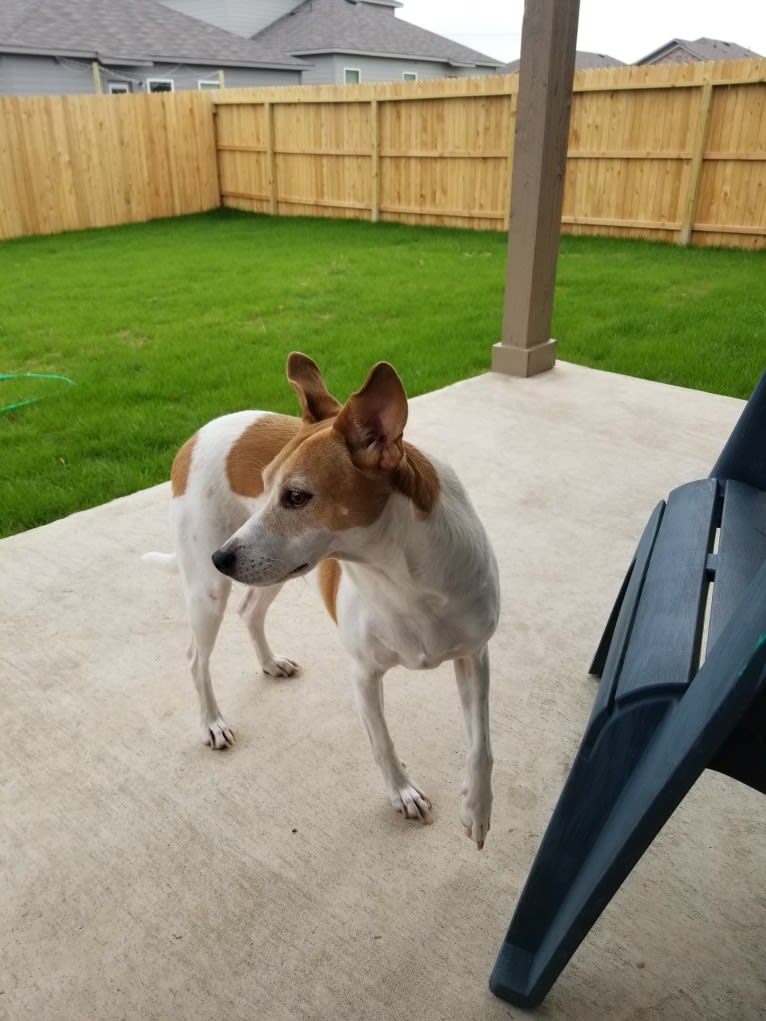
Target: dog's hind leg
(252,610)
(472,673)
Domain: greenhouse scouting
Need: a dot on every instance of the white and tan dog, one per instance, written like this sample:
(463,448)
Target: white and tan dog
(403,563)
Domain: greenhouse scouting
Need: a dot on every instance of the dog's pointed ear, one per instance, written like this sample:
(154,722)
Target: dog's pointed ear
(372,420)
(303,375)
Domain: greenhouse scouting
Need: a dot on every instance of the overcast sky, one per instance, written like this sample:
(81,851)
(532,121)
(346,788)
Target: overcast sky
(627,32)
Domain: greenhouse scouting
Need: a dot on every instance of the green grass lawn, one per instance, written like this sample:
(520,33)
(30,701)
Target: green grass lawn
(165,325)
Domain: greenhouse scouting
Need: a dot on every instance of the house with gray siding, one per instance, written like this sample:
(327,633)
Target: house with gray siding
(349,41)
(74,46)
(344,41)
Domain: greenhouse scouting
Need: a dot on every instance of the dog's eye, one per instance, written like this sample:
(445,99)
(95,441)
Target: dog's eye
(294,498)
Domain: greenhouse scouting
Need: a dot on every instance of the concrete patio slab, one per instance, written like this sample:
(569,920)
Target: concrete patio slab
(146,877)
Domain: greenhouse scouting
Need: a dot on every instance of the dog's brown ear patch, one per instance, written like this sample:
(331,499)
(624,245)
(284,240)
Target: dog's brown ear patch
(179,473)
(372,420)
(316,401)
(417,478)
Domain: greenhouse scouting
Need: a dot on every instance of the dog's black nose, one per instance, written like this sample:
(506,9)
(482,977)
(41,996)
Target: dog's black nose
(225,559)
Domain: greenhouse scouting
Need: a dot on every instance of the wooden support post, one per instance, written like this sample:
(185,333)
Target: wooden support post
(697,162)
(549,36)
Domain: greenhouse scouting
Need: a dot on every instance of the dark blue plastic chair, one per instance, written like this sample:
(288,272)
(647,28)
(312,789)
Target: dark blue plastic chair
(659,718)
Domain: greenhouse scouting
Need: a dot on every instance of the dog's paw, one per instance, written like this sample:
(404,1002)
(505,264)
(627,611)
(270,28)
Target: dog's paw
(217,734)
(280,666)
(474,815)
(412,803)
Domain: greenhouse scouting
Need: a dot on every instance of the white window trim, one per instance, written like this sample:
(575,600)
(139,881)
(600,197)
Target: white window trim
(409,76)
(208,84)
(118,88)
(160,81)
(357,71)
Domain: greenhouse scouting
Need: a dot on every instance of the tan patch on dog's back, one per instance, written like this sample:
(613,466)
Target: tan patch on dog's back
(329,580)
(179,473)
(255,448)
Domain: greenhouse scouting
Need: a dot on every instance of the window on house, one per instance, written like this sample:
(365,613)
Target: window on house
(209,85)
(351,75)
(409,76)
(118,88)
(159,85)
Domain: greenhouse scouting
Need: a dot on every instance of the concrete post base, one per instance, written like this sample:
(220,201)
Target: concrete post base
(524,361)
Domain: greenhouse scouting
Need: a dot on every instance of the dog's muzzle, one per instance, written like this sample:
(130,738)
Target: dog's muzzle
(257,572)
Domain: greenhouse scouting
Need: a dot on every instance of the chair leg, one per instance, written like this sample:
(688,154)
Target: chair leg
(573,875)
(617,798)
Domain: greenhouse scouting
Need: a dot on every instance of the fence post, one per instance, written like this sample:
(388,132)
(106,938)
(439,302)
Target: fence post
(512,105)
(271,158)
(697,163)
(375,162)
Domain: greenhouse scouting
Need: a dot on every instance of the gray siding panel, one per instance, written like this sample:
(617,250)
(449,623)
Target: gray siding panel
(329,69)
(42,76)
(321,72)
(243,78)
(188,77)
(45,76)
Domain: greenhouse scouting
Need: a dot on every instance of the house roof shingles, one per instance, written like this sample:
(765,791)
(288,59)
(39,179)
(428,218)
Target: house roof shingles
(127,31)
(584,61)
(356,26)
(702,49)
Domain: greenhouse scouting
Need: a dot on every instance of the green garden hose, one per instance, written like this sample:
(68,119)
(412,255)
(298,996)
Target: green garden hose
(31,375)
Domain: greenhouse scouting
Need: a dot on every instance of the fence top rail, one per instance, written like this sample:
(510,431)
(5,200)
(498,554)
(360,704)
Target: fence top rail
(693,74)
(386,92)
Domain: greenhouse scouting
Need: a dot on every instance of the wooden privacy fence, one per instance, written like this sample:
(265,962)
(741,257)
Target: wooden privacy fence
(435,153)
(675,152)
(75,162)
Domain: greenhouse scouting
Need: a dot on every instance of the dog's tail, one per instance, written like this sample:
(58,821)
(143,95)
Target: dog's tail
(165,561)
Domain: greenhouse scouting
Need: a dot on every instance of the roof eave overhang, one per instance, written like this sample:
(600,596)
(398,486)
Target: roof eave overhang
(142,60)
(422,58)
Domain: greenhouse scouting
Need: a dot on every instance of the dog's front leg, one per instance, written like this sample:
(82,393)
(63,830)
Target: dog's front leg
(405,796)
(252,610)
(472,673)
